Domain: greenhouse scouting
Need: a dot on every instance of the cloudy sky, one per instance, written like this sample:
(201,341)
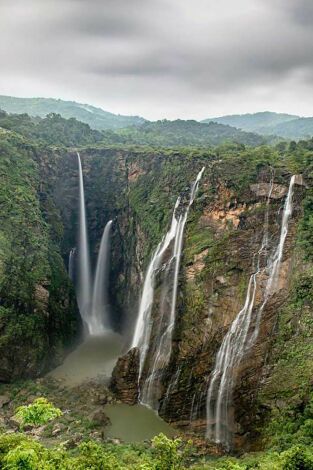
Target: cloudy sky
(161,58)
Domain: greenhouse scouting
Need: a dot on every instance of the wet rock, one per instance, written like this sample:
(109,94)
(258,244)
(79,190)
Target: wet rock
(102,399)
(124,382)
(13,422)
(263,190)
(4,400)
(100,418)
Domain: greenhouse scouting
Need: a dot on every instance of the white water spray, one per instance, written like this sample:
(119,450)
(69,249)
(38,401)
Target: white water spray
(237,341)
(98,321)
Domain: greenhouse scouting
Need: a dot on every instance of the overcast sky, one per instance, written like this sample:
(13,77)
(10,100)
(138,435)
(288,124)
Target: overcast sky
(161,58)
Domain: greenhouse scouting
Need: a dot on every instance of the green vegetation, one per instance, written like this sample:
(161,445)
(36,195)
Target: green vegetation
(287,126)
(181,133)
(17,452)
(37,413)
(97,118)
(53,129)
(30,267)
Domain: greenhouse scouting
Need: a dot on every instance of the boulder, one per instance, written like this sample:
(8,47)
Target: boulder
(124,382)
(100,418)
(4,400)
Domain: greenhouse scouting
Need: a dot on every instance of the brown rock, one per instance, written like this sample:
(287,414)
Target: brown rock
(263,190)
(124,382)
(4,400)
(100,418)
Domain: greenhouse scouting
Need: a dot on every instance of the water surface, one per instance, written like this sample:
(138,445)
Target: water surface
(94,358)
(135,423)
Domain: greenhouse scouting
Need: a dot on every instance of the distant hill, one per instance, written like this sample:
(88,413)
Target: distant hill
(301,128)
(181,133)
(257,122)
(267,123)
(95,117)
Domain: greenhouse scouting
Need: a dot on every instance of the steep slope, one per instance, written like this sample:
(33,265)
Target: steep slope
(137,189)
(97,118)
(38,312)
(224,235)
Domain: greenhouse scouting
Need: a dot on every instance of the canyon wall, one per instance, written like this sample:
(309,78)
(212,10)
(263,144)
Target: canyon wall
(137,189)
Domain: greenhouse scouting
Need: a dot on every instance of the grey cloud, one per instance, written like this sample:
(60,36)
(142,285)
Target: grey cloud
(161,57)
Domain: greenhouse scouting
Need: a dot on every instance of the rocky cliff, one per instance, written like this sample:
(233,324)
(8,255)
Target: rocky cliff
(137,189)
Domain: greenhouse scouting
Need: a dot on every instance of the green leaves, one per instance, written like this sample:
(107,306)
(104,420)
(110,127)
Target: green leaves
(37,413)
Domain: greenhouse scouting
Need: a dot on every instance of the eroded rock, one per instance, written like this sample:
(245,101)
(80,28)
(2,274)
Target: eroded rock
(124,382)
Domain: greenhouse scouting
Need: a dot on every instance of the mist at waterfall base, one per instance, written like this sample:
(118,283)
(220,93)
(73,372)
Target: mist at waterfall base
(244,330)
(92,294)
(160,348)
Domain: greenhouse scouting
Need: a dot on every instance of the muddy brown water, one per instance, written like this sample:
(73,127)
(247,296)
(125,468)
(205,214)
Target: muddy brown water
(95,359)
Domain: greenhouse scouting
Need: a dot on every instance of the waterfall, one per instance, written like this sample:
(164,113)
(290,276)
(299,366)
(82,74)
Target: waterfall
(84,276)
(236,342)
(143,327)
(92,300)
(98,321)
(71,263)
(162,345)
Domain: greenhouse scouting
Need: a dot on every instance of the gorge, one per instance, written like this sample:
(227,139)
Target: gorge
(211,299)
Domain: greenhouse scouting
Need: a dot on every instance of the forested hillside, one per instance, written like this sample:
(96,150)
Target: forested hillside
(97,118)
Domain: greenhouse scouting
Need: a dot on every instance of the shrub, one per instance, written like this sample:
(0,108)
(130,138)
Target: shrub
(297,458)
(37,413)
(170,453)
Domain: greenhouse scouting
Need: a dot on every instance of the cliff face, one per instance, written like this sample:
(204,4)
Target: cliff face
(223,236)
(137,189)
(38,312)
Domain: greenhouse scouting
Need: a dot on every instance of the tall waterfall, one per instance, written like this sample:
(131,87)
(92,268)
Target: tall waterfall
(84,276)
(99,321)
(239,337)
(162,344)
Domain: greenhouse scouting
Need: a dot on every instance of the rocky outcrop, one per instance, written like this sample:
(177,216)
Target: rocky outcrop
(125,376)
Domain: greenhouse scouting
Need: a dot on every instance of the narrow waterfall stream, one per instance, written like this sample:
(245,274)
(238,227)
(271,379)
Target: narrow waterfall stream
(239,337)
(162,345)
(84,272)
(71,264)
(99,321)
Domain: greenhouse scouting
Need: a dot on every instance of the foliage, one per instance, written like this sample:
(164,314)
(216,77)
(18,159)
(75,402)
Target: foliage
(170,453)
(181,133)
(53,129)
(37,413)
(298,458)
(97,118)
(306,227)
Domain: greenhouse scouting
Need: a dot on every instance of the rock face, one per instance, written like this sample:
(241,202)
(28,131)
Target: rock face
(38,313)
(221,243)
(137,189)
(124,382)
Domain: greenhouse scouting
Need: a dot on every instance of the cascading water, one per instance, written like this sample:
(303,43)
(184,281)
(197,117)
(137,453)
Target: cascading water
(92,302)
(84,276)
(162,347)
(71,264)
(99,321)
(239,338)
